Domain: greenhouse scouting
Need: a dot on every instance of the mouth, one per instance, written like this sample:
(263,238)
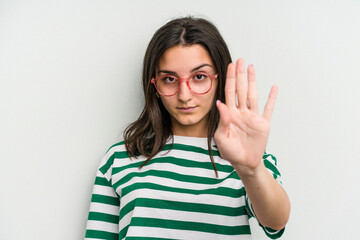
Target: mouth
(186,109)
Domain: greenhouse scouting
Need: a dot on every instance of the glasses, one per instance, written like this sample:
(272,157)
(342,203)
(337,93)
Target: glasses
(169,85)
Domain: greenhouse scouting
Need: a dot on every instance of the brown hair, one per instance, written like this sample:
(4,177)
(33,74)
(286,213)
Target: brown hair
(149,133)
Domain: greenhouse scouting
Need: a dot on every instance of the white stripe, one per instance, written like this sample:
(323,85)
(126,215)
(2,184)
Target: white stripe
(250,206)
(180,234)
(193,156)
(104,208)
(104,190)
(185,170)
(111,151)
(118,148)
(125,220)
(192,141)
(229,182)
(272,233)
(191,216)
(189,198)
(184,197)
(188,155)
(102,226)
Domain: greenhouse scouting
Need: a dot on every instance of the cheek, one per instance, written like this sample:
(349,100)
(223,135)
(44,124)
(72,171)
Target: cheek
(211,98)
(213,94)
(167,103)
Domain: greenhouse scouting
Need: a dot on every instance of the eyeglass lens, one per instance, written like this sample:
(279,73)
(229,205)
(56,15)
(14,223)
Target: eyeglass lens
(199,83)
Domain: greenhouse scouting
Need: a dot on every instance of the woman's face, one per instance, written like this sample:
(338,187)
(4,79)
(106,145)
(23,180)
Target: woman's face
(188,111)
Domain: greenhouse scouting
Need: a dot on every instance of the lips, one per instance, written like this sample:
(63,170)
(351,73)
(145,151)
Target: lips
(186,109)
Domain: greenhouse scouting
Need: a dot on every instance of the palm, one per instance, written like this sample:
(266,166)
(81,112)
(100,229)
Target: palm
(242,133)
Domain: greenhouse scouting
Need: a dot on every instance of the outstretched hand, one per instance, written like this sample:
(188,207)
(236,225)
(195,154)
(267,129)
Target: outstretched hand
(242,133)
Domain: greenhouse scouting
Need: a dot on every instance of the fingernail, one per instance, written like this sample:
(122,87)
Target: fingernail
(251,65)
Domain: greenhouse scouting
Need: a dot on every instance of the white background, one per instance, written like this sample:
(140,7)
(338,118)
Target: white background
(70,83)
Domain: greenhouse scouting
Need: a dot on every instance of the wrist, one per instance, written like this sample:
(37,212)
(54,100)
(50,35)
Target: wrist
(250,172)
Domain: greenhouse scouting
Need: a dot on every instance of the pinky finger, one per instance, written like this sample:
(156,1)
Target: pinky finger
(270,105)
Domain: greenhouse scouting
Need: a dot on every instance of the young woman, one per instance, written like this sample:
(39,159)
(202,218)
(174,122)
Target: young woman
(193,166)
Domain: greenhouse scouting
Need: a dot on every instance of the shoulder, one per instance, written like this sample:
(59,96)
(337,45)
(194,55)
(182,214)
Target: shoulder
(116,150)
(116,146)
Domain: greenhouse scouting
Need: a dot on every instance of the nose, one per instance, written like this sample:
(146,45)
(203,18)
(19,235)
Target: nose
(184,93)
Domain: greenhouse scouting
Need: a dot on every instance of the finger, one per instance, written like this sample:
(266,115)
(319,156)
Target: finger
(241,84)
(252,90)
(230,86)
(225,117)
(270,105)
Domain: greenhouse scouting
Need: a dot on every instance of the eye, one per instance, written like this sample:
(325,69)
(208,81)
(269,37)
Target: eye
(168,79)
(200,77)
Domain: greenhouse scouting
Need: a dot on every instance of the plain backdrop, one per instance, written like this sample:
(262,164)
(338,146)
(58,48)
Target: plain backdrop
(70,83)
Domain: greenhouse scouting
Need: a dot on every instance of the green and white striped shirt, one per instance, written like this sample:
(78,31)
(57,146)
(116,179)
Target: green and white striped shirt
(175,196)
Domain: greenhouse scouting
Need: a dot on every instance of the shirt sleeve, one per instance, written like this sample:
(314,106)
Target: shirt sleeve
(103,219)
(270,163)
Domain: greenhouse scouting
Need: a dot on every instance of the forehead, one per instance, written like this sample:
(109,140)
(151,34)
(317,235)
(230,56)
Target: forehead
(182,59)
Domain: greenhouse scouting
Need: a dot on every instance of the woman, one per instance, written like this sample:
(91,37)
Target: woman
(193,165)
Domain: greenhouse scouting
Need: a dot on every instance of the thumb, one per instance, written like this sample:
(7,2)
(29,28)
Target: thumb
(225,117)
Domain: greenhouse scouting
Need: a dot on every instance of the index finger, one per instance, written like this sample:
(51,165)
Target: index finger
(230,86)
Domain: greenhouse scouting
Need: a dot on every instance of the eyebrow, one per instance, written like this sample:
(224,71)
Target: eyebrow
(193,70)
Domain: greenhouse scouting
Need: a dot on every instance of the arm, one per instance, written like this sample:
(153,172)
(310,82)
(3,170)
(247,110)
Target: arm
(103,217)
(269,200)
(242,137)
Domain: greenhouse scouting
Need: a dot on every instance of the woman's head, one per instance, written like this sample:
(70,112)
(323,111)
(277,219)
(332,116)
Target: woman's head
(148,135)
(185,31)
(186,83)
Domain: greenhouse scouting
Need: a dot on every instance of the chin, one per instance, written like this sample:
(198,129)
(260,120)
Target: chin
(186,121)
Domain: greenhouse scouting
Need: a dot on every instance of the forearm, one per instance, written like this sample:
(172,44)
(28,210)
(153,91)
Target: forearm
(269,200)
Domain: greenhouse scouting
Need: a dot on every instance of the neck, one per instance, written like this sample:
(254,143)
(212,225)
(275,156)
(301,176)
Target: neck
(190,134)
(191,131)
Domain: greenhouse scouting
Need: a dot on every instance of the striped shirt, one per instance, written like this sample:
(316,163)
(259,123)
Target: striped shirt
(174,196)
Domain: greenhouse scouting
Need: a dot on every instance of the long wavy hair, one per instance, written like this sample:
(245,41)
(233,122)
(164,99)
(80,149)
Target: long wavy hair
(149,133)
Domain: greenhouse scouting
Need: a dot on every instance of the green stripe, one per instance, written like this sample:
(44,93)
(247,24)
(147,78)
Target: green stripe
(136,164)
(116,144)
(121,155)
(107,165)
(220,191)
(104,217)
(248,208)
(105,199)
(110,160)
(192,226)
(102,181)
(271,167)
(178,146)
(179,162)
(148,238)
(174,176)
(273,234)
(167,147)
(182,206)
(101,235)
(266,155)
(123,232)
(189,148)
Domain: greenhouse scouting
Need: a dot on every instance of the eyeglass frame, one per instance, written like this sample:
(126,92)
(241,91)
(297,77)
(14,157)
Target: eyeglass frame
(211,76)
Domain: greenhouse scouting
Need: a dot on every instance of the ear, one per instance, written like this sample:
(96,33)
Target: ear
(157,95)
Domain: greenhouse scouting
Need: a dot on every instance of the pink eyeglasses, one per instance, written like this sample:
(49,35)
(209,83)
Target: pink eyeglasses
(198,83)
